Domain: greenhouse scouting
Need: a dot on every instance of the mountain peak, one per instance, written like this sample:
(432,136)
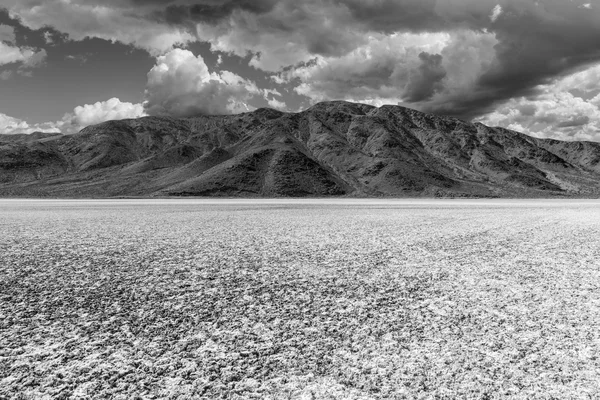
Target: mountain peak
(332,148)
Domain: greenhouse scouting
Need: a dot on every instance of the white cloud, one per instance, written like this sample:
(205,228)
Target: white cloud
(11,54)
(82,20)
(7,34)
(557,111)
(484,51)
(277,104)
(11,125)
(82,116)
(37,59)
(496,12)
(595,101)
(181,85)
(586,81)
(101,111)
(378,70)
(27,57)
(413,69)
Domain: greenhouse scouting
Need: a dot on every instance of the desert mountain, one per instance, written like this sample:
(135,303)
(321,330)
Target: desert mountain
(331,149)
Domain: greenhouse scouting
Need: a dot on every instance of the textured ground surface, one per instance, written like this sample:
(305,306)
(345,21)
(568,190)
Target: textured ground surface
(342,299)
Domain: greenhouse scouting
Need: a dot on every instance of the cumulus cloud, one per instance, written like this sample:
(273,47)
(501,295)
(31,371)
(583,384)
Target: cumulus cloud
(526,43)
(477,55)
(82,116)
(101,111)
(412,69)
(559,110)
(181,85)
(10,125)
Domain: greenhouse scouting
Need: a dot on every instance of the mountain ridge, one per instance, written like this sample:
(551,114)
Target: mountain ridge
(333,148)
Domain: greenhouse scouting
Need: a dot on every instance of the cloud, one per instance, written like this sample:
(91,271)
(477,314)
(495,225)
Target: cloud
(10,53)
(576,121)
(180,85)
(531,42)
(426,79)
(562,109)
(209,11)
(537,43)
(496,12)
(7,34)
(115,109)
(28,57)
(413,69)
(79,118)
(11,125)
(290,33)
(482,54)
(391,16)
(107,20)
(277,104)
(37,59)
(48,38)
(101,111)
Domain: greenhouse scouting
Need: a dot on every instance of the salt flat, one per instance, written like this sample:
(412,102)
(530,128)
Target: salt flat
(343,298)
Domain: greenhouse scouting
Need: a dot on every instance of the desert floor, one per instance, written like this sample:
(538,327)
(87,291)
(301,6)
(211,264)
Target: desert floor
(299,299)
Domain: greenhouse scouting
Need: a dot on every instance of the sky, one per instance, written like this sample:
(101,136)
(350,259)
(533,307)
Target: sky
(528,65)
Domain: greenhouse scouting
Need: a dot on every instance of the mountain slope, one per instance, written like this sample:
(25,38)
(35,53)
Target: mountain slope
(331,149)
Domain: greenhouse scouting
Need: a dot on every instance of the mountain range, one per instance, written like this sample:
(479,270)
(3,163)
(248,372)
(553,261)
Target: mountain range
(331,149)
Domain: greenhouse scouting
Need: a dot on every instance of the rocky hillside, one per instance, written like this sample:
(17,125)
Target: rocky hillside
(331,149)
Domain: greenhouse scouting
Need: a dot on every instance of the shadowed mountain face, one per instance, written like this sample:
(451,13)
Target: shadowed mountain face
(331,149)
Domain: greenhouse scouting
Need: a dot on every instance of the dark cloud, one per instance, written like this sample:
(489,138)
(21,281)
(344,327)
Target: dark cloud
(527,110)
(535,42)
(536,45)
(538,42)
(211,11)
(183,12)
(392,15)
(575,121)
(424,81)
(7,34)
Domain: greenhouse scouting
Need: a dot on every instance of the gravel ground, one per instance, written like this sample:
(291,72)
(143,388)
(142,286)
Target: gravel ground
(302,300)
